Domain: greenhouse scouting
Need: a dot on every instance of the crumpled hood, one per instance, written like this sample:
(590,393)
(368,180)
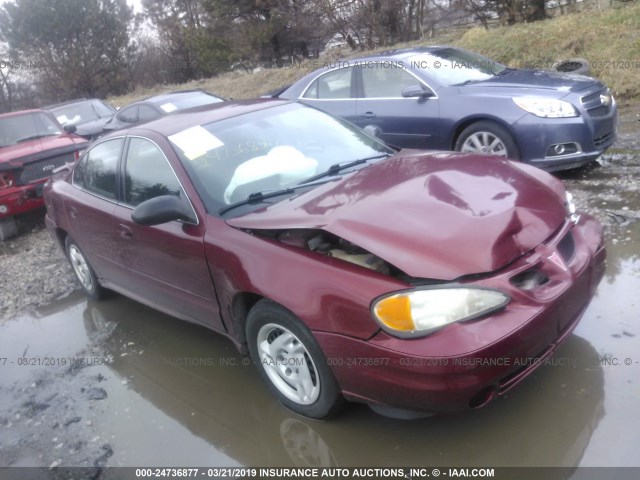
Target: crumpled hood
(436,215)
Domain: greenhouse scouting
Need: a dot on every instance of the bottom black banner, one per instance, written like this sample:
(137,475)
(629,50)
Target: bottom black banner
(291,473)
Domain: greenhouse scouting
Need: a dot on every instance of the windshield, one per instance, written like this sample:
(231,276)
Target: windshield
(28,126)
(182,101)
(82,112)
(267,150)
(454,66)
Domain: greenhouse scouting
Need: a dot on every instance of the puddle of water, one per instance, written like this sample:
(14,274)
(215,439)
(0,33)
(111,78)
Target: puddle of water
(180,395)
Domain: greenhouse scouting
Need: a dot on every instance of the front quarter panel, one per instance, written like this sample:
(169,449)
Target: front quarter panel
(327,294)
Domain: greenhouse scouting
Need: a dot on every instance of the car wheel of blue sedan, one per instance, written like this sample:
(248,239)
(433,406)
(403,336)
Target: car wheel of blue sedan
(291,362)
(487,138)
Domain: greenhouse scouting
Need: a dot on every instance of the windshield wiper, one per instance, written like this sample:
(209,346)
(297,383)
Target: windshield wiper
(503,72)
(260,197)
(467,82)
(338,167)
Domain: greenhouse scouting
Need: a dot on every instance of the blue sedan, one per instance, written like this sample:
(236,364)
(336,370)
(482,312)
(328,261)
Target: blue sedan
(447,98)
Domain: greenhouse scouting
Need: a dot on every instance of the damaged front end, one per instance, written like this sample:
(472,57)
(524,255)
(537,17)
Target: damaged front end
(330,245)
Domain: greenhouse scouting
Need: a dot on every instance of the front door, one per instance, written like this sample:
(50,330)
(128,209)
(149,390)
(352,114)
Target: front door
(399,121)
(166,262)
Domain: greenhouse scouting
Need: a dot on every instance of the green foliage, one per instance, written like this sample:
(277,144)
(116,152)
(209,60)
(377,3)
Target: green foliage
(75,47)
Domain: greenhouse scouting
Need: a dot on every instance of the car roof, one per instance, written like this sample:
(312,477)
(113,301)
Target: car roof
(21,112)
(402,53)
(183,119)
(165,97)
(70,102)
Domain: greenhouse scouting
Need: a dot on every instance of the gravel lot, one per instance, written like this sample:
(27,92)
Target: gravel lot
(33,270)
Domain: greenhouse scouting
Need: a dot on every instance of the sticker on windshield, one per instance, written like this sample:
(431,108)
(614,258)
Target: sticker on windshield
(195,142)
(62,119)
(168,107)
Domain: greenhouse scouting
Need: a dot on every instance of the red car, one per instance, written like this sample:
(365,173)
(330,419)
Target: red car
(420,281)
(32,145)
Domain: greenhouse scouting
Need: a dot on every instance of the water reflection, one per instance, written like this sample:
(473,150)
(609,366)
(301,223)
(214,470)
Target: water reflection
(198,379)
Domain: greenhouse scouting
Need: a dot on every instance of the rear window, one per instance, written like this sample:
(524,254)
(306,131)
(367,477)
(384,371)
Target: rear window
(96,171)
(183,101)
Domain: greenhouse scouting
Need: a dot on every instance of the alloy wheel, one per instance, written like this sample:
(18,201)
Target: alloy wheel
(288,364)
(486,143)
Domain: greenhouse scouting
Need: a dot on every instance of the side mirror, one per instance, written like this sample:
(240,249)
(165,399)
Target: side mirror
(70,128)
(163,209)
(416,91)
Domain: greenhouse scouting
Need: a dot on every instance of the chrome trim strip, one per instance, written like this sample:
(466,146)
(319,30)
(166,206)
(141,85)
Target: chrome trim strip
(422,82)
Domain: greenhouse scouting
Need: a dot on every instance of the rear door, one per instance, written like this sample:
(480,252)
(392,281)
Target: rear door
(166,263)
(90,208)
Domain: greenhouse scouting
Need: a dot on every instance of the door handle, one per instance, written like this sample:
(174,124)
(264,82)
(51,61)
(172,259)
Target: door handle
(369,115)
(125,232)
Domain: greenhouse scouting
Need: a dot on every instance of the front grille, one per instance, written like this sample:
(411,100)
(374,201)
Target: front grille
(593,103)
(600,111)
(603,140)
(529,279)
(567,247)
(590,98)
(40,169)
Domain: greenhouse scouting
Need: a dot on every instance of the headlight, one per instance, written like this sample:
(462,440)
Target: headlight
(546,107)
(571,208)
(420,312)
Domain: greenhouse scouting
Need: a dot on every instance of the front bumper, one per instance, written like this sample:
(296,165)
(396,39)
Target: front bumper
(466,365)
(19,199)
(592,135)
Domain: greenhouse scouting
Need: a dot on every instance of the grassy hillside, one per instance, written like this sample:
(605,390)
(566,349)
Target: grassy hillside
(609,39)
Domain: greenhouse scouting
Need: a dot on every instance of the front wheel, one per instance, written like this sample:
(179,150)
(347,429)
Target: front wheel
(487,138)
(8,228)
(83,271)
(290,361)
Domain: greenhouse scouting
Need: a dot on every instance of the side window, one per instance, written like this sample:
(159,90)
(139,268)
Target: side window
(147,173)
(147,113)
(386,81)
(129,115)
(79,171)
(332,85)
(96,172)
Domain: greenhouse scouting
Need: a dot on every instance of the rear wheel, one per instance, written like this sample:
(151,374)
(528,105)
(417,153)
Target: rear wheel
(83,271)
(8,228)
(487,138)
(290,361)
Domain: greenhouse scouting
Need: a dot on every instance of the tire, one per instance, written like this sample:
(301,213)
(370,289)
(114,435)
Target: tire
(83,270)
(487,138)
(8,228)
(291,363)
(572,65)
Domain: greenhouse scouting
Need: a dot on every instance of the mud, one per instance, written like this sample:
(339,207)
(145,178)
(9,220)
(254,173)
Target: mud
(114,383)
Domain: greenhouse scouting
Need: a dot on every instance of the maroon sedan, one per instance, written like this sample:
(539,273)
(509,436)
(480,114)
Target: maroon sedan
(32,145)
(347,270)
